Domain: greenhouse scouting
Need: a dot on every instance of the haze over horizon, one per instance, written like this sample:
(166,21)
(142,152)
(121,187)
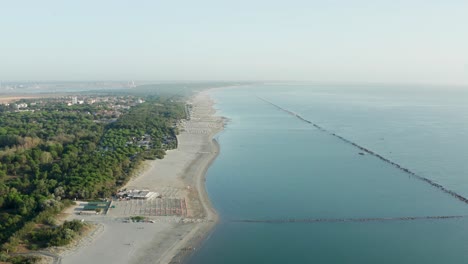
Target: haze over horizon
(323,41)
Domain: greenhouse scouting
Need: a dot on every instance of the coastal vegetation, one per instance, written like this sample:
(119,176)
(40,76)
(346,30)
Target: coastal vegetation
(54,154)
(137,218)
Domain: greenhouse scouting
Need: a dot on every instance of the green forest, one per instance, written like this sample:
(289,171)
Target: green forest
(58,153)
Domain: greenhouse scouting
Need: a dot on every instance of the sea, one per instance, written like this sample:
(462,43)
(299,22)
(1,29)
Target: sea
(288,192)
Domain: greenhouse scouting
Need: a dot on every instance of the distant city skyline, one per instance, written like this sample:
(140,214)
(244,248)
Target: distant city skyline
(360,41)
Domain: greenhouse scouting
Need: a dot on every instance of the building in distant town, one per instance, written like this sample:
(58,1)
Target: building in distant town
(22,105)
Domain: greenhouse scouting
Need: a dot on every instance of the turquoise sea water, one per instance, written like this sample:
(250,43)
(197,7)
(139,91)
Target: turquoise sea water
(273,166)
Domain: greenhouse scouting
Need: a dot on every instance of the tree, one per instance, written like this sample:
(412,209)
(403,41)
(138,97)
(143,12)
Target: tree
(46,157)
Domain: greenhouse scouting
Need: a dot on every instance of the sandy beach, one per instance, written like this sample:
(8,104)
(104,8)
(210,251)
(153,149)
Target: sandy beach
(180,176)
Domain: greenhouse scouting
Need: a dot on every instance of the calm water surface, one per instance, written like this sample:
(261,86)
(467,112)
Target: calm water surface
(273,166)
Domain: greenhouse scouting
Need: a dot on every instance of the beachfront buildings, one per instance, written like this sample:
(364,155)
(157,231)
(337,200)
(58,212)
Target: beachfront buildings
(137,194)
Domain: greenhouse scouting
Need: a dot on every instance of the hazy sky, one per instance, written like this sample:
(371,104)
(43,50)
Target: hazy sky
(358,41)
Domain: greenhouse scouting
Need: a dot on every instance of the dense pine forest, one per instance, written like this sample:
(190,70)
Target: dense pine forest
(55,153)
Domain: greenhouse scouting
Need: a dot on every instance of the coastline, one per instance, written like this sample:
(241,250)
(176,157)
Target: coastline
(170,239)
(201,230)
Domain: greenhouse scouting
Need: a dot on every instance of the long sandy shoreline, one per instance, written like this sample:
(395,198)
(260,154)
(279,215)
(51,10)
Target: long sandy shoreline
(170,239)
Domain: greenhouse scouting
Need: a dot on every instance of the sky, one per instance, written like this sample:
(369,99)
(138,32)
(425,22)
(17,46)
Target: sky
(392,41)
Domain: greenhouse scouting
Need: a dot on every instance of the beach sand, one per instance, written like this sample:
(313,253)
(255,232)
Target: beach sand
(182,171)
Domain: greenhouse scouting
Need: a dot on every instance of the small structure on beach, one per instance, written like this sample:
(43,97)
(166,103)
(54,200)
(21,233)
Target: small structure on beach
(137,194)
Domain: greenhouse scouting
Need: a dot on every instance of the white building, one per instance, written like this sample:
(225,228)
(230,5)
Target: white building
(138,194)
(22,105)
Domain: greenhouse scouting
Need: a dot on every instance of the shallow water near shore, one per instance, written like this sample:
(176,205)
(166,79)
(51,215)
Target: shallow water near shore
(274,167)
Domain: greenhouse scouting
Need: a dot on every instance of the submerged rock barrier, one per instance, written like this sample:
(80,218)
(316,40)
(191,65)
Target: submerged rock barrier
(343,220)
(370,152)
